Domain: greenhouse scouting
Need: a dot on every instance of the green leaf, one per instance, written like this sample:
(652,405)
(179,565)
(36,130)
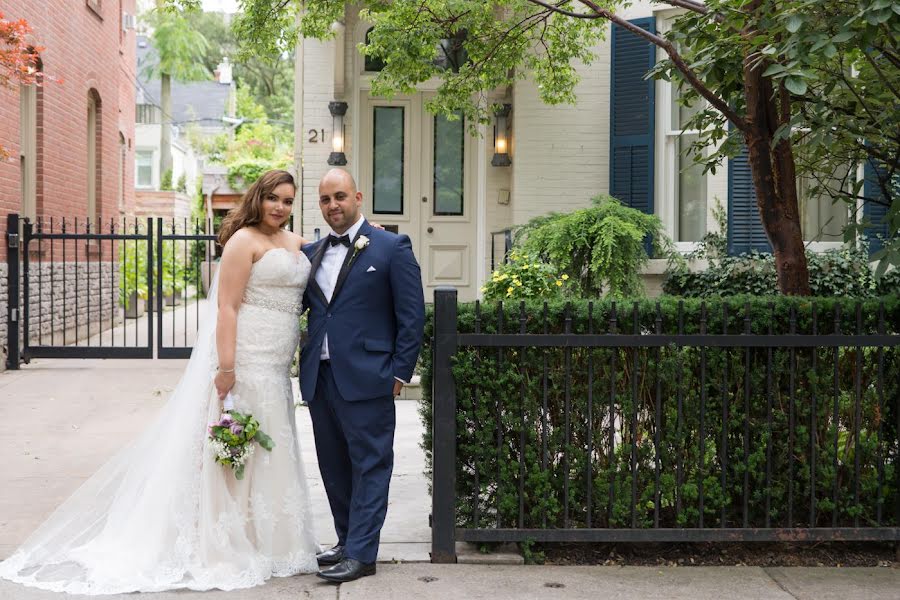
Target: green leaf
(842,37)
(794,23)
(774,69)
(264,440)
(795,85)
(830,51)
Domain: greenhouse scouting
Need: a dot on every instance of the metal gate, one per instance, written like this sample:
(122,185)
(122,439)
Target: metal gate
(122,288)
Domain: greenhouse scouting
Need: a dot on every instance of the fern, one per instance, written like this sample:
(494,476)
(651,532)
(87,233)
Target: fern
(602,248)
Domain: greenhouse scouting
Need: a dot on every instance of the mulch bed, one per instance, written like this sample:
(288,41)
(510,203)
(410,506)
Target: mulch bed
(823,554)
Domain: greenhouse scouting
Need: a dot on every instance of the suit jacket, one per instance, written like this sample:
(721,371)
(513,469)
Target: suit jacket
(375,319)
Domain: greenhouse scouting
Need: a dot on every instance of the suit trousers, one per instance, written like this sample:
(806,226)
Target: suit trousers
(355,448)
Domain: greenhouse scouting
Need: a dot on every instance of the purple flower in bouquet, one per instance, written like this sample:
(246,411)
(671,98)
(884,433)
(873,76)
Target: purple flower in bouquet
(232,440)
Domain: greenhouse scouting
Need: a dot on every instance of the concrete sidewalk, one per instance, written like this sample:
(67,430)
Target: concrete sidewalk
(474,582)
(64,418)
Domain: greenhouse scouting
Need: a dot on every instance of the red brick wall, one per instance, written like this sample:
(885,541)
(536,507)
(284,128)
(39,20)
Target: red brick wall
(88,51)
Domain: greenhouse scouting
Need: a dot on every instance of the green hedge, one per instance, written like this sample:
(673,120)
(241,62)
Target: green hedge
(500,398)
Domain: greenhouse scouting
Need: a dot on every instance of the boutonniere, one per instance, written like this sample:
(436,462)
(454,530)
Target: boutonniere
(358,246)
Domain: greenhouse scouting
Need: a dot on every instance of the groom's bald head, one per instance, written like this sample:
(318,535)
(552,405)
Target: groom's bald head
(339,200)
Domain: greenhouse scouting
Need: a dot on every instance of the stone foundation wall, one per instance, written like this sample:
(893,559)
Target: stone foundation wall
(67,302)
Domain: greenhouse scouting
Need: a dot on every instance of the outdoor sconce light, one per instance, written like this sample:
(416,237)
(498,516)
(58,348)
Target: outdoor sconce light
(501,137)
(338,110)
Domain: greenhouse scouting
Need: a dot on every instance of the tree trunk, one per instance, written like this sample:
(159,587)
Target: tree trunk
(165,128)
(774,178)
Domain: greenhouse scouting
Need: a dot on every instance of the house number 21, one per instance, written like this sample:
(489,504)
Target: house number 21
(314,136)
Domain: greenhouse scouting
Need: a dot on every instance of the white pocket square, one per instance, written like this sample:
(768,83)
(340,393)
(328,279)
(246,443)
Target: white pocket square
(370,269)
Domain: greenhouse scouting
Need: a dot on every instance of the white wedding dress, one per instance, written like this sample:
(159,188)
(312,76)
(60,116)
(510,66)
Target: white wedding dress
(162,514)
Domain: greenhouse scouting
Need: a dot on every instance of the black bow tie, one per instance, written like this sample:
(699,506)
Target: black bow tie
(335,240)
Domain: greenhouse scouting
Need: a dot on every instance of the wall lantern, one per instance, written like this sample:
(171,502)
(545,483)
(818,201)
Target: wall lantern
(501,137)
(338,110)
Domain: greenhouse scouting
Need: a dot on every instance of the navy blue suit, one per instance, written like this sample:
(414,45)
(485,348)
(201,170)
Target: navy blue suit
(374,324)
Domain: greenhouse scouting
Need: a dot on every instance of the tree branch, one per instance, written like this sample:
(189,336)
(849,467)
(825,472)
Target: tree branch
(687,4)
(676,59)
(884,80)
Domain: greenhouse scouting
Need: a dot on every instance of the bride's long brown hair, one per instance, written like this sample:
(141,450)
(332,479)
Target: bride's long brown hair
(249,211)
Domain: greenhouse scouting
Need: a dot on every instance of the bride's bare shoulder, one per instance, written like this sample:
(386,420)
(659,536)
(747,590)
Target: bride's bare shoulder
(296,240)
(243,241)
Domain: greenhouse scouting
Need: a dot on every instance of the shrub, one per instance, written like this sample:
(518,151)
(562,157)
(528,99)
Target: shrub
(506,419)
(524,276)
(843,272)
(602,248)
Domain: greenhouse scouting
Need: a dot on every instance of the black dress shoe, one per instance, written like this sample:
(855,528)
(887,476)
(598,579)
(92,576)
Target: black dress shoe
(348,569)
(330,557)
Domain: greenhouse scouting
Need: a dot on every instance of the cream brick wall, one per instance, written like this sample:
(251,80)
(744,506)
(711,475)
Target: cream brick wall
(560,154)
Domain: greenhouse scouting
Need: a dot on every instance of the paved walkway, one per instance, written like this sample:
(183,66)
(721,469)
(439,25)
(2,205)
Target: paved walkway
(63,418)
(482,582)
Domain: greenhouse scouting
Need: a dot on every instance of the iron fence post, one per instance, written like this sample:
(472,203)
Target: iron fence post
(443,497)
(12,304)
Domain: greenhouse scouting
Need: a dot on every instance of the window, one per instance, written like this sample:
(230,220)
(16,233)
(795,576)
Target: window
(450,54)
(387,160)
(93,153)
(372,63)
(121,168)
(28,155)
(143,169)
(689,189)
(822,217)
(449,144)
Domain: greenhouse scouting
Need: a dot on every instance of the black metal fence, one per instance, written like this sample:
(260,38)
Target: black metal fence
(117,288)
(692,431)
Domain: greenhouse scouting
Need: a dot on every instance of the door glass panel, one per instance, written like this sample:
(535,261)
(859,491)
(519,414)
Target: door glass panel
(387,160)
(449,141)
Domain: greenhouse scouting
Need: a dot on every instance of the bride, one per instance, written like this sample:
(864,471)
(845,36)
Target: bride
(162,514)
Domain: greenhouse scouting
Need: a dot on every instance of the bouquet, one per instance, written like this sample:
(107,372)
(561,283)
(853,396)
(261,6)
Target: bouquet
(232,437)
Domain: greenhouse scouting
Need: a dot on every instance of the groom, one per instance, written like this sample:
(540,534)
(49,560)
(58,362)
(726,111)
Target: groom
(366,317)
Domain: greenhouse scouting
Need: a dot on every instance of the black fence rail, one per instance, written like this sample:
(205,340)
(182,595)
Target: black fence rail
(744,420)
(113,288)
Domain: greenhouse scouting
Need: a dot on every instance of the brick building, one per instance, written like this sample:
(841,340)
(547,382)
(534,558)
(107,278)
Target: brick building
(72,143)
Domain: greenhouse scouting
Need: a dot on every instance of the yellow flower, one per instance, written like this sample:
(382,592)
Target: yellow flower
(518,283)
(565,277)
(509,291)
(483,289)
(525,266)
(558,283)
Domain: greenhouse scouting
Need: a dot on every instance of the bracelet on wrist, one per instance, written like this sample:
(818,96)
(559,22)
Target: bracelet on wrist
(221,370)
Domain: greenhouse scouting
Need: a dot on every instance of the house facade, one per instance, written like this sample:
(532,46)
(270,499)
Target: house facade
(425,176)
(72,141)
(202,108)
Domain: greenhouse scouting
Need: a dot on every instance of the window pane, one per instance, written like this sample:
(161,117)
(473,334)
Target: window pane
(372,63)
(144,168)
(823,219)
(449,141)
(387,160)
(691,193)
(681,114)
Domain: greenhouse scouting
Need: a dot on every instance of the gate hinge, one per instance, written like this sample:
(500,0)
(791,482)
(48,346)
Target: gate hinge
(12,240)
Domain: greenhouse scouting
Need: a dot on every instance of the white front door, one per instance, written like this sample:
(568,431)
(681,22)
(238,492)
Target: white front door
(414,174)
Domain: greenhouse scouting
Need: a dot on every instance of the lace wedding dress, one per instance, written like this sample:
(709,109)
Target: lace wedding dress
(162,514)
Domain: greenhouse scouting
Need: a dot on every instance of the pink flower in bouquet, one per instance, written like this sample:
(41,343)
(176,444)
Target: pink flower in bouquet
(236,429)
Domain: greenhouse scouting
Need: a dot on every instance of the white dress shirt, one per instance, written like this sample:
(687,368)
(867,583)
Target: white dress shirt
(330,268)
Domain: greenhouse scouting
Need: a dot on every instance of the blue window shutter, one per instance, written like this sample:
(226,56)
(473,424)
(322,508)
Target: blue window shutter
(632,117)
(745,229)
(875,212)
